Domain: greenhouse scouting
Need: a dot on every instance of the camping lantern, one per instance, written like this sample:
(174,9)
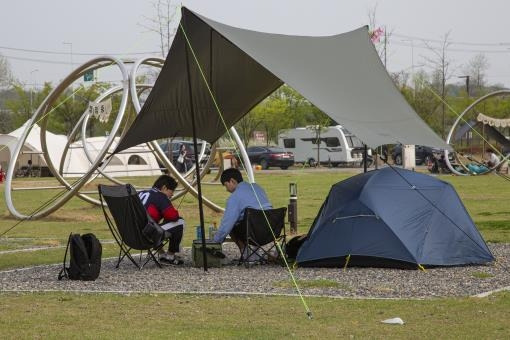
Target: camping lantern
(293,207)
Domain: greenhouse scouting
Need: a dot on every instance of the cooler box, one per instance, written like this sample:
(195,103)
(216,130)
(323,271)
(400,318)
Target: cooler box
(197,257)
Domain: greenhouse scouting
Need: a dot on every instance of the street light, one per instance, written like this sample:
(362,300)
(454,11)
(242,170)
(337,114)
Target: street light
(71,56)
(32,89)
(70,52)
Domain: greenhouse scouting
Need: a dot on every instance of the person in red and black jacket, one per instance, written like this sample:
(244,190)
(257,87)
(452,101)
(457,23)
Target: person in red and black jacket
(159,206)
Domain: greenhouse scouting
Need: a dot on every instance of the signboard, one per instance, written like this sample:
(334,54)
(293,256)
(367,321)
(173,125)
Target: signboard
(259,136)
(101,111)
(88,76)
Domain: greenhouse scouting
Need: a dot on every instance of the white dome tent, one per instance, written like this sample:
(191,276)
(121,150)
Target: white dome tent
(136,161)
(32,147)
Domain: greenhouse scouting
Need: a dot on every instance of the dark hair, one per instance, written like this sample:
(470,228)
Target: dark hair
(165,180)
(231,173)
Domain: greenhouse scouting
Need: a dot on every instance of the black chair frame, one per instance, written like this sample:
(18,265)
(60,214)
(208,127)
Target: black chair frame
(257,233)
(126,226)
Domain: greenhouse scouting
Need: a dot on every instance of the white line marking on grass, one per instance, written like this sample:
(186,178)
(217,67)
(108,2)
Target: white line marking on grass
(39,248)
(29,249)
(490,292)
(219,293)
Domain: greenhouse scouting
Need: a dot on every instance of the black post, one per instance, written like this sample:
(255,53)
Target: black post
(467,84)
(292,208)
(195,147)
(365,156)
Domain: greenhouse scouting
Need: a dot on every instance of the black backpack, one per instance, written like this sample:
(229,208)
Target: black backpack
(85,259)
(292,247)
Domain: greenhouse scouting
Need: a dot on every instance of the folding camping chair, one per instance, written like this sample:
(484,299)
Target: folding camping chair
(256,233)
(129,219)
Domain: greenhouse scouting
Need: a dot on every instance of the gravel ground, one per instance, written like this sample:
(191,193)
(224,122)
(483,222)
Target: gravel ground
(274,279)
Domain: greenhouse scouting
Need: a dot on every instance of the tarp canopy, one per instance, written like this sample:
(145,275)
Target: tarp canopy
(393,217)
(340,74)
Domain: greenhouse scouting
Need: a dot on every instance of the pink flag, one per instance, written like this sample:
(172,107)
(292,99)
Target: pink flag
(376,34)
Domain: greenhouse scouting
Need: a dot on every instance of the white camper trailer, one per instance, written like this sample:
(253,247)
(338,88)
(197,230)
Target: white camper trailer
(335,144)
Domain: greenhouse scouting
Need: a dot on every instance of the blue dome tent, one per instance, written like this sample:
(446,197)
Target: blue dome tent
(393,217)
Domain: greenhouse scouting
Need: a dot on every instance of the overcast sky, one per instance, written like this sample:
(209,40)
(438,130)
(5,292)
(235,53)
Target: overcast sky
(114,27)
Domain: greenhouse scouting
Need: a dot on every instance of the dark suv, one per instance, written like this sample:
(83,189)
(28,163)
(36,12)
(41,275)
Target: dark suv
(190,153)
(423,154)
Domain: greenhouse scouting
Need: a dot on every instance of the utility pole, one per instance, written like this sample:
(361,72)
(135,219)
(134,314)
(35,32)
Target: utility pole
(467,84)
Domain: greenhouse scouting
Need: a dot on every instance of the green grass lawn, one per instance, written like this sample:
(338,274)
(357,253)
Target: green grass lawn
(188,316)
(487,199)
(105,316)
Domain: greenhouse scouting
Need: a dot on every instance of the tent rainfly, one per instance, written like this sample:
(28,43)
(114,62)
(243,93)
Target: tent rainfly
(341,74)
(379,219)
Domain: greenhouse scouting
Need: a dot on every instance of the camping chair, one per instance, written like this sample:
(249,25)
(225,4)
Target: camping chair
(256,233)
(129,219)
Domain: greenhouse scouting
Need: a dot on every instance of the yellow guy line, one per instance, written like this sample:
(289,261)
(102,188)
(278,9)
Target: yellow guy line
(308,311)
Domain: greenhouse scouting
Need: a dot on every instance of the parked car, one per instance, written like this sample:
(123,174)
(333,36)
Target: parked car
(270,156)
(190,153)
(423,154)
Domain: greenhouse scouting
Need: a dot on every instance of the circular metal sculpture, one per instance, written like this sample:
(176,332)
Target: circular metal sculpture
(99,162)
(461,118)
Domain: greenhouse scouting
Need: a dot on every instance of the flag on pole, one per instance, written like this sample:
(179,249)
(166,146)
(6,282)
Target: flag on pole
(376,35)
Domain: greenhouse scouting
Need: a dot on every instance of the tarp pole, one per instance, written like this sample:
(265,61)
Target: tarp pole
(195,147)
(365,156)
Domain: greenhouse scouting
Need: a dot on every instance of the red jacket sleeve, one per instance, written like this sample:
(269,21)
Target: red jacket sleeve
(170,214)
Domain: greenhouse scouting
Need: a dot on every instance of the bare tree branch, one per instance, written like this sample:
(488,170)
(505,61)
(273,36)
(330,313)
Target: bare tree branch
(440,64)
(162,23)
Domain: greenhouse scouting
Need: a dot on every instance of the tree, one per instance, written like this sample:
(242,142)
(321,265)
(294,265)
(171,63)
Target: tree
(297,105)
(68,111)
(5,73)
(161,23)
(25,102)
(423,100)
(476,69)
(440,64)
(318,129)
(271,115)
(247,125)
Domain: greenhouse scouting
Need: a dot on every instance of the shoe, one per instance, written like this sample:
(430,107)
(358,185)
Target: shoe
(166,258)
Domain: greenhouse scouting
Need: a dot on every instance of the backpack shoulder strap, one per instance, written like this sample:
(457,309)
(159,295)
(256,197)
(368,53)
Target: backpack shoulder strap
(63,271)
(94,246)
(78,245)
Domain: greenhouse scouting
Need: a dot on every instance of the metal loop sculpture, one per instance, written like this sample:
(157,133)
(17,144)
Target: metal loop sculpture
(97,164)
(460,119)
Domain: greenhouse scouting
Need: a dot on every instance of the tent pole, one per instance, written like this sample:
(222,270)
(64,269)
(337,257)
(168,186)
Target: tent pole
(365,156)
(195,148)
